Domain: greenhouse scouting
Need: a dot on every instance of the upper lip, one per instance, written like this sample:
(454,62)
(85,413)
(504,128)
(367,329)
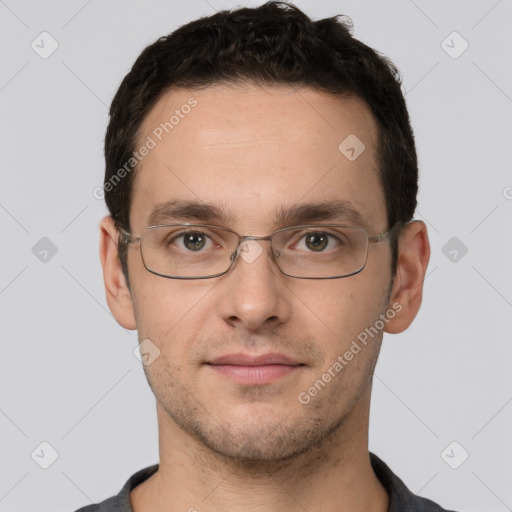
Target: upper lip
(248,360)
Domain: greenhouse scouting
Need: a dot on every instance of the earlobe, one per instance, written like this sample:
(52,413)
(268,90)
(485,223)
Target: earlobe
(117,292)
(407,291)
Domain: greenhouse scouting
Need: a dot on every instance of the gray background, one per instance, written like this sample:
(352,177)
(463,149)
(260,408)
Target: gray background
(68,375)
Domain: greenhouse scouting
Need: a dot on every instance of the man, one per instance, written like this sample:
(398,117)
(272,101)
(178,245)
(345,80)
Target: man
(261,177)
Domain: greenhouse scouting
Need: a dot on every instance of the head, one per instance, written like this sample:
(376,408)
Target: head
(247,112)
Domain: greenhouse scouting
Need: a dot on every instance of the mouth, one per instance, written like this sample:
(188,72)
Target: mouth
(249,370)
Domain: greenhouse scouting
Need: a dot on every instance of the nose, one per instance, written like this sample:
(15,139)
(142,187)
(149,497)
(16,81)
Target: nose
(253,293)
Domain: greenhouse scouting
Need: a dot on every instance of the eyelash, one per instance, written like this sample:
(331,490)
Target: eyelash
(180,236)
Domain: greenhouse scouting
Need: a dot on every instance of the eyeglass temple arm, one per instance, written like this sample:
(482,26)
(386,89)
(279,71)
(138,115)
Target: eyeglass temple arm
(381,236)
(128,238)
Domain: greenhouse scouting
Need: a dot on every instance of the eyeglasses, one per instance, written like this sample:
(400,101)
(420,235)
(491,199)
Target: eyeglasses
(202,251)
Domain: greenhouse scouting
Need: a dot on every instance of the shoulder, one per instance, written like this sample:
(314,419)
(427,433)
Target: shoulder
(121,501)
(400,497)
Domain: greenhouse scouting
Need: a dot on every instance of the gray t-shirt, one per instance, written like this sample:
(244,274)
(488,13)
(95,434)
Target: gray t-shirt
(400,498)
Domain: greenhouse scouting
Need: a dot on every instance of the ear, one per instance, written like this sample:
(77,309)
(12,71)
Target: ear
(119,298)
(407,290)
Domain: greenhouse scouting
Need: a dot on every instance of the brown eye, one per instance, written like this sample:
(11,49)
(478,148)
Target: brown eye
(194,241)
(317,242)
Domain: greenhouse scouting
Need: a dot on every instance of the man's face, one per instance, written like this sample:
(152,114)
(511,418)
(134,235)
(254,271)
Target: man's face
(254,152)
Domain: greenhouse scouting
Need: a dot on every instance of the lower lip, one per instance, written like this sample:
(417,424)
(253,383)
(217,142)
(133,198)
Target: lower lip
(251,375)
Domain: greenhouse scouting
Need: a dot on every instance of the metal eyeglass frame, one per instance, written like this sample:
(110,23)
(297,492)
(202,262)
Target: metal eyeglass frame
(129,238)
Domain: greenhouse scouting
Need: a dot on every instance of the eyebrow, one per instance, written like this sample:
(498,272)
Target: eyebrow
(179,210)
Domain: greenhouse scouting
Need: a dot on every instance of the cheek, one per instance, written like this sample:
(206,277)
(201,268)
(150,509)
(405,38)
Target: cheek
(340,308)
(345,312)
(169,311)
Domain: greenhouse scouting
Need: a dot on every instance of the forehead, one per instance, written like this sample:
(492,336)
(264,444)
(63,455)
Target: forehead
(250,150)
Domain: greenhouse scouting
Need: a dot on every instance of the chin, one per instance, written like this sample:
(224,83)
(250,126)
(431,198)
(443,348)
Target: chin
(264,440)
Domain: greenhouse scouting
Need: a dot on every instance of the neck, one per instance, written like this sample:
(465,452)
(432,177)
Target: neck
(335,475)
